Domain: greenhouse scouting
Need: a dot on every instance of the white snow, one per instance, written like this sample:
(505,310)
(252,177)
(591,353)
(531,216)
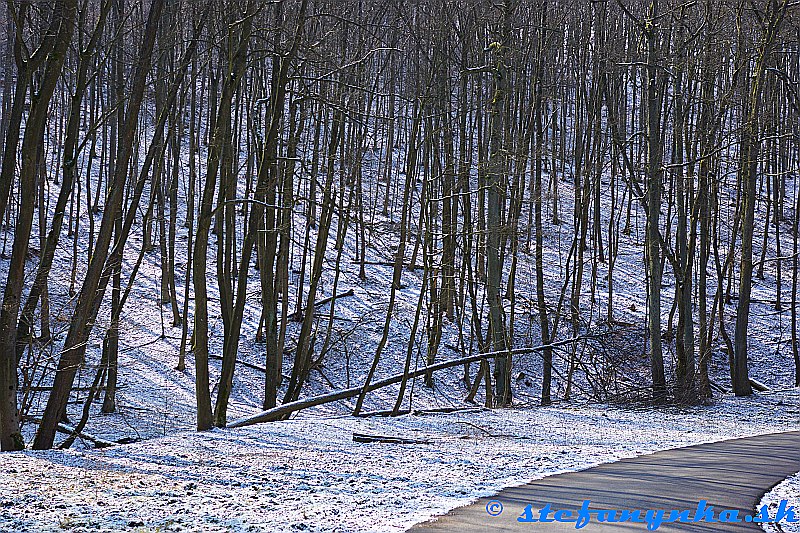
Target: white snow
(306,474)
(788,490)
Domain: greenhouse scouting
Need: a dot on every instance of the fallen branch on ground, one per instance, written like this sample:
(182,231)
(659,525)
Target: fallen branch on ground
(421,412)
(360,437)
(390,264)
(280,412)
(239,362)
(277,413)
(757,385)
(69,430)
(297,316)
(717,387)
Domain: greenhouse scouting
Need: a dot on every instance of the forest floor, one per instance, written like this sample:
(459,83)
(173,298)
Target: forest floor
(307,474)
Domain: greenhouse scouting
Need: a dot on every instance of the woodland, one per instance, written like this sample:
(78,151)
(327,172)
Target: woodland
(506,199)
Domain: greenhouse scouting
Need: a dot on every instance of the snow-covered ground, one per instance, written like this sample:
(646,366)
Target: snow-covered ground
(788,490)
(307,474)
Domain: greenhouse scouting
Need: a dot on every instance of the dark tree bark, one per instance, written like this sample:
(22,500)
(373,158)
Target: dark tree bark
(60,33)
(91,292)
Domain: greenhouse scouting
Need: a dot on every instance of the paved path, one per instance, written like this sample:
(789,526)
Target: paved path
(732,474)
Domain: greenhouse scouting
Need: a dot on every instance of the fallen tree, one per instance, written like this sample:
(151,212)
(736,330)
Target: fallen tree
(282,411)
(297,316)
(74,432)
(385,439)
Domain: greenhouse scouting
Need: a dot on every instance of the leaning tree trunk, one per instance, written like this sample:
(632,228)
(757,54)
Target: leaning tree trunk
(64,12)
(91,293)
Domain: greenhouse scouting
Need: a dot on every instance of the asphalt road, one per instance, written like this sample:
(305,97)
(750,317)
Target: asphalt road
(731,474)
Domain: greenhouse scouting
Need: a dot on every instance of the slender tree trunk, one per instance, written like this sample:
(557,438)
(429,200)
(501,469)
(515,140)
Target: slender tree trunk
(495,200)
(63,17)
(653,192)
(748,168)
(91,291)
